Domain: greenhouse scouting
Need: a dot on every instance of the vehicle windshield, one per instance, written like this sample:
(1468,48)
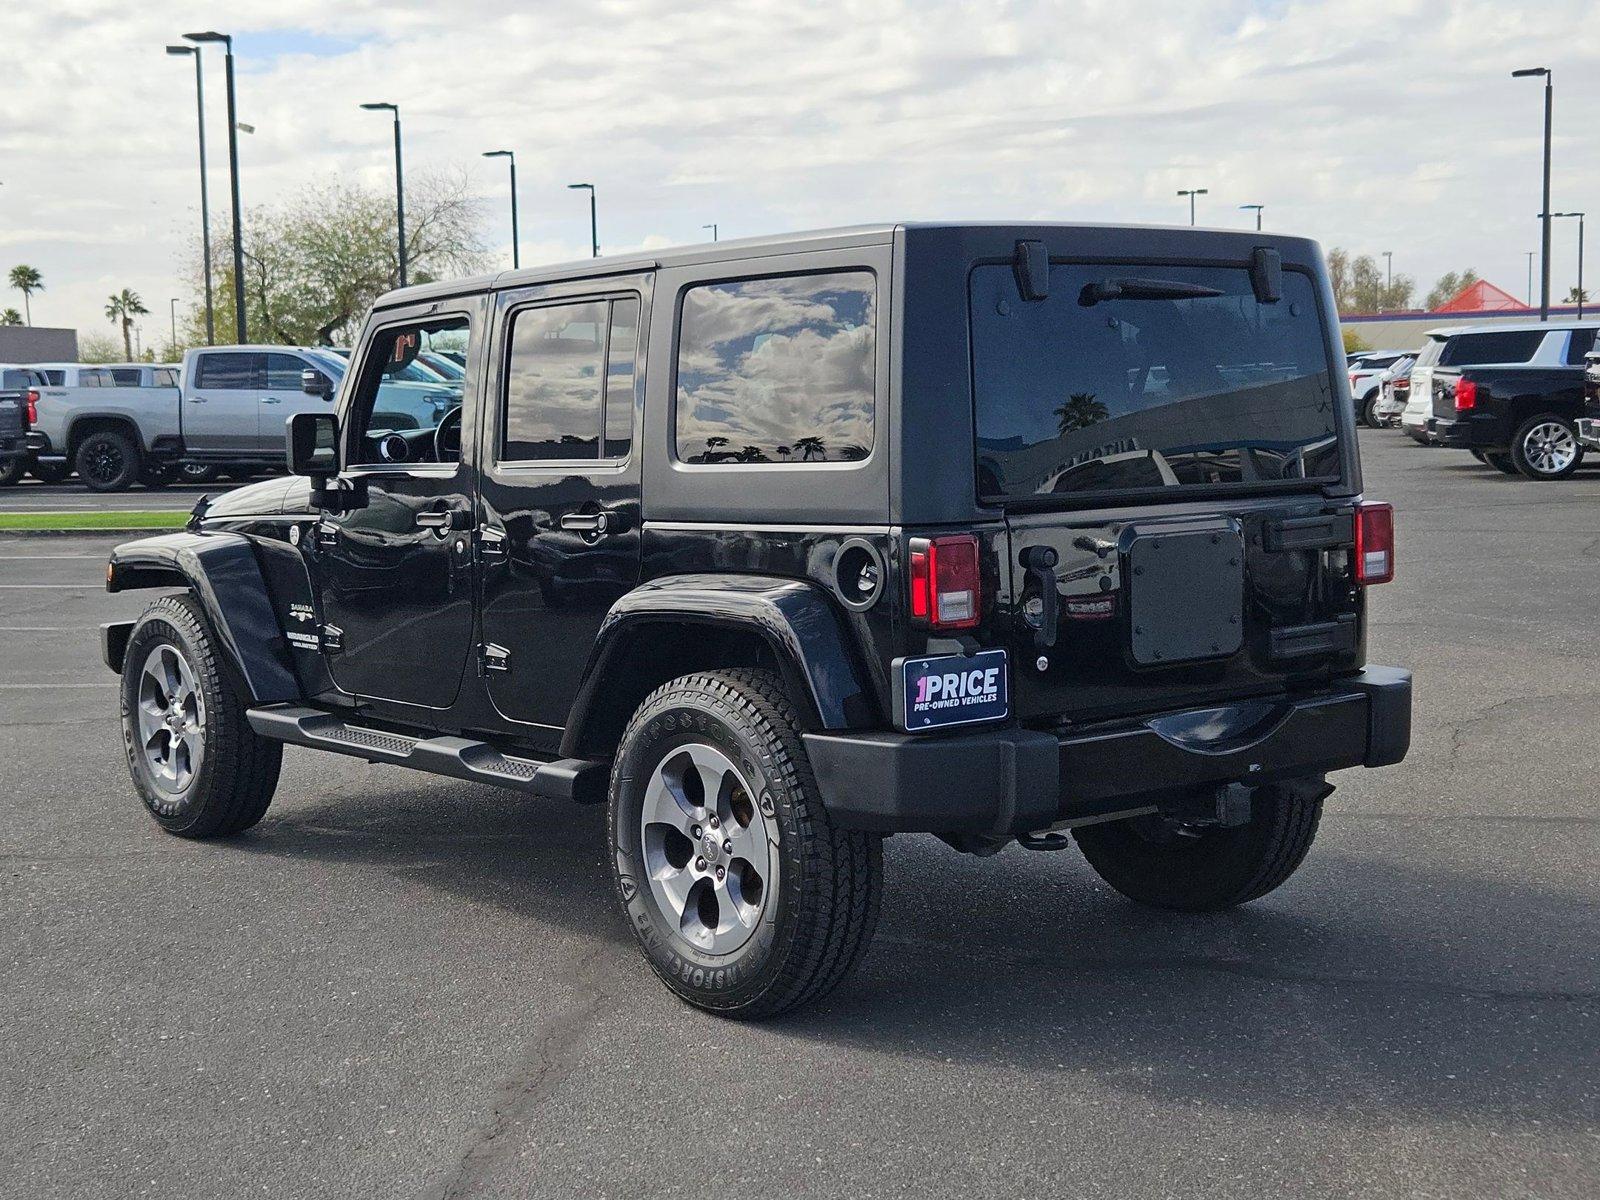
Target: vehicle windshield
(1130,377)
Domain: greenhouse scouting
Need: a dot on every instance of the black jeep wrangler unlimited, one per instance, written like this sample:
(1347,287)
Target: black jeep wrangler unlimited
(776,547)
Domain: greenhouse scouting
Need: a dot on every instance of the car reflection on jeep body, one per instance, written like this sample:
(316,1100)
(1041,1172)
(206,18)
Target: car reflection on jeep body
(1045,535)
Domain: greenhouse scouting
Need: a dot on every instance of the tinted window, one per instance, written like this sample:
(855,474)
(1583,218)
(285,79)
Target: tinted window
(621,354)
(555,372)
(1136,376)
(777,370)
(125,376)
(283,372)
(226,372)
(55,378)
(1581,343)
(1431,351)
(1512,346)
(165,377)
(96,378)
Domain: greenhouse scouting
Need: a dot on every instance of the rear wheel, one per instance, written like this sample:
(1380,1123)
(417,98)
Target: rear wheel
(108,460)
(196,763)
(1369,409)
(193,472)
(1500,460)
(1165,863)
(1546,447)
(12,470)
(744,896)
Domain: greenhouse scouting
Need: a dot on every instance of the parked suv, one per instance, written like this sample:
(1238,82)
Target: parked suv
(1366,382)
(1036,534)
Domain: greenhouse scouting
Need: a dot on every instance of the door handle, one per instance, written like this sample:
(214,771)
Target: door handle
(270,400)
(586,522)
(197,399)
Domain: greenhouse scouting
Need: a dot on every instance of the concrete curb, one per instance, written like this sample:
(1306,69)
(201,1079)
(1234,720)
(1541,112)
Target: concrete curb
(124,532)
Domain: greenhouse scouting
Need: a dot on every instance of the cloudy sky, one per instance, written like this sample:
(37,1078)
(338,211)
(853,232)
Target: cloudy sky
(1370,124)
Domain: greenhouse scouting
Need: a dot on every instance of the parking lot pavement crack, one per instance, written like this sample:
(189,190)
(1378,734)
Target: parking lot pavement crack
(1458,729)
(554,1054)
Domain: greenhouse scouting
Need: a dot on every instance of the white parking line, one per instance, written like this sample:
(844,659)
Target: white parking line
(33,687)
(36,628)
(75,587)
(43,557)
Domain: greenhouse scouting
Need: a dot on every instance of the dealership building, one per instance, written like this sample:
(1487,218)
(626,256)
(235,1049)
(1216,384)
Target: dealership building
(1480,304)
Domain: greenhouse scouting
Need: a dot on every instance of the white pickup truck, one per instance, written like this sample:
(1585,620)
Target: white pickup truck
(224,412)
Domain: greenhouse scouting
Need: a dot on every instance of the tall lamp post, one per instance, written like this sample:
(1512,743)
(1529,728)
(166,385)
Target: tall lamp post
(399,183)
(1257,207)
(1192,193)
(209,36)
(713,228)
(1530,254)
(594,228)
(172,307)
(1580,217)
(1388,270)
(205,196)
(1544,209)
(516,255)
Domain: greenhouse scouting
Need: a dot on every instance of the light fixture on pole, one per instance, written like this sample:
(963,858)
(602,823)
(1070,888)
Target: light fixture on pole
(241,333)
(399,183)
(205,197)
(516,256)
(1544,209)
(1258,208)
(1580,217)
(1192,193)
(594,228)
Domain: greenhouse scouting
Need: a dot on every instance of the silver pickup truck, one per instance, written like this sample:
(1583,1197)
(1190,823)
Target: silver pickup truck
(222,411)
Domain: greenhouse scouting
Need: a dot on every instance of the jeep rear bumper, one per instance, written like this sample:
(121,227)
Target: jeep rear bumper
(1011,780)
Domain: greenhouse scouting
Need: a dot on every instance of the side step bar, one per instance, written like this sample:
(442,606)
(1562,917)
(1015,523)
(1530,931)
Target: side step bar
(578,779)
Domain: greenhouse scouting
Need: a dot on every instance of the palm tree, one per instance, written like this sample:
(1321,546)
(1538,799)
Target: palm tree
(10,317)
(1079,412)
(27,280)
(124,307)
(810,447)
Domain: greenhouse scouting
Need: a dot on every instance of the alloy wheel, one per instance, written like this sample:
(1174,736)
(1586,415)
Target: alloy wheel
(1549,447)
(707,850)
(172,719)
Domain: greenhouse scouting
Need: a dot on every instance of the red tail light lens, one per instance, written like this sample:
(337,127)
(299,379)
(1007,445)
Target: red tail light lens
(1374,543)
(946,590)
(1466,395)
(33,408)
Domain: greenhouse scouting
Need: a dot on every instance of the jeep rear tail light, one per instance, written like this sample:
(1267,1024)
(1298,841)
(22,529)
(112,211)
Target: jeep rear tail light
(1374,543)
(1466,395)
(945,587)
(33,408)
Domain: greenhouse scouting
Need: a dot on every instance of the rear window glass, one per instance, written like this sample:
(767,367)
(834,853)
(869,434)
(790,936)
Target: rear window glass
(777,370)
(1511,346)
(1582,342)
(1133,377)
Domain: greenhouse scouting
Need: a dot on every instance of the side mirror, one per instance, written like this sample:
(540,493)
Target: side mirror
(315,383)
(312,444)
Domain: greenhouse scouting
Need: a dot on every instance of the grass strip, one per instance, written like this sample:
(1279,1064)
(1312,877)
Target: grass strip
(92,520)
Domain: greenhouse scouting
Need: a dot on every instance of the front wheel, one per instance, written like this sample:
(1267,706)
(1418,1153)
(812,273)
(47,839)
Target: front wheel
(1546,447)
(745,897)
(1166,863)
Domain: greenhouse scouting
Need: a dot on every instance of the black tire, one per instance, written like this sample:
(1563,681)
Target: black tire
(238,771)
(812,928)
(50,472)
(1534,447)
(193,472)
(1500,460)
(155,477)
(108,460)
(12,470)
(1369,408)
(1206,868)
(1478,454)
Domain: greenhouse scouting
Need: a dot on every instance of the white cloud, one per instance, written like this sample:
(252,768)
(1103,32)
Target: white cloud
(1372,124)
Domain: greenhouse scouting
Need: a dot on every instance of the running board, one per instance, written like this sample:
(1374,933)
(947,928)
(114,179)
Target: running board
(578,779)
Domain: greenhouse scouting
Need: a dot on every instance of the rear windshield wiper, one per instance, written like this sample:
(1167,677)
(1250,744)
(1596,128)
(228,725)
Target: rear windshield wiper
(1142,289)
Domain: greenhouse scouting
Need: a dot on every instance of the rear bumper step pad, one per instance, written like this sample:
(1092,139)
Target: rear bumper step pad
(580,780)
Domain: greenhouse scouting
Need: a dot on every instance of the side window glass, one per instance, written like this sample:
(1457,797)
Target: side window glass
(283,373)
(165,377)
(226,372)
(622,352)
(396,417)
(777,370)
(125,376)
(555,372)
(1582,342)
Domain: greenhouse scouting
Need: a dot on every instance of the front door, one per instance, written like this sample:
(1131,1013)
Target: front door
(395,574)
(282,395)
(559,489)
(219,409)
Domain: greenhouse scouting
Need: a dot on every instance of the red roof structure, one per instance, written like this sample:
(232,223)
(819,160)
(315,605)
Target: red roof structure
(1483,296)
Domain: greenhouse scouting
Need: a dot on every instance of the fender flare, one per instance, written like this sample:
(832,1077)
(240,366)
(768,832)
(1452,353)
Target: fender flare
(794,619)
(221,570)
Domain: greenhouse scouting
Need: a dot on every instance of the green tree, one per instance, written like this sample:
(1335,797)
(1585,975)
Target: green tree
(124,307)
(314,265)
(1361,286)
(1450,285)
(27,280)
(1079,412)
(1577,296)
(10,317)
(99,348)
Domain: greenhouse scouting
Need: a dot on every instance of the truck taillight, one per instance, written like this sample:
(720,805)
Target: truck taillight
(33,408)
(945,587)
(1374,542)
(1466,395)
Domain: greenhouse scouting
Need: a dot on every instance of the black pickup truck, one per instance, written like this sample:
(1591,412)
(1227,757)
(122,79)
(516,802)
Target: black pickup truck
(1589,423)
(15,399)
(1520,420)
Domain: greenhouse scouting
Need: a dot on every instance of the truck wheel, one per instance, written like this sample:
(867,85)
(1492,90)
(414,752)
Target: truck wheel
(52,472)
(1500,460)
(1369,409)
(1202,868)
(196,763)
(1546,446)
(156,476)
(745,897)
(12,470)
(108,461)
(193,472)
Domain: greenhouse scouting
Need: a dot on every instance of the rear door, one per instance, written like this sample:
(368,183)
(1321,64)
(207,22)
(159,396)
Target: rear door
(1169,454)
(219,410)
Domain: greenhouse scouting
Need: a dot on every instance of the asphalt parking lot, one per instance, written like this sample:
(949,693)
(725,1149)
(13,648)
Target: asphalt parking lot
(404,986)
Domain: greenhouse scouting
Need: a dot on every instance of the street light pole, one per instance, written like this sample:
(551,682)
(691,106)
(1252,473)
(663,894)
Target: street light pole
(205,196)
(1580,217)
(1257,207)
(1544,265)
(172,307)
(241,332)
(399,184)
(594,228)
(1388,263)
(516,255)
(1192,193)
(1530,254)
(713,228)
